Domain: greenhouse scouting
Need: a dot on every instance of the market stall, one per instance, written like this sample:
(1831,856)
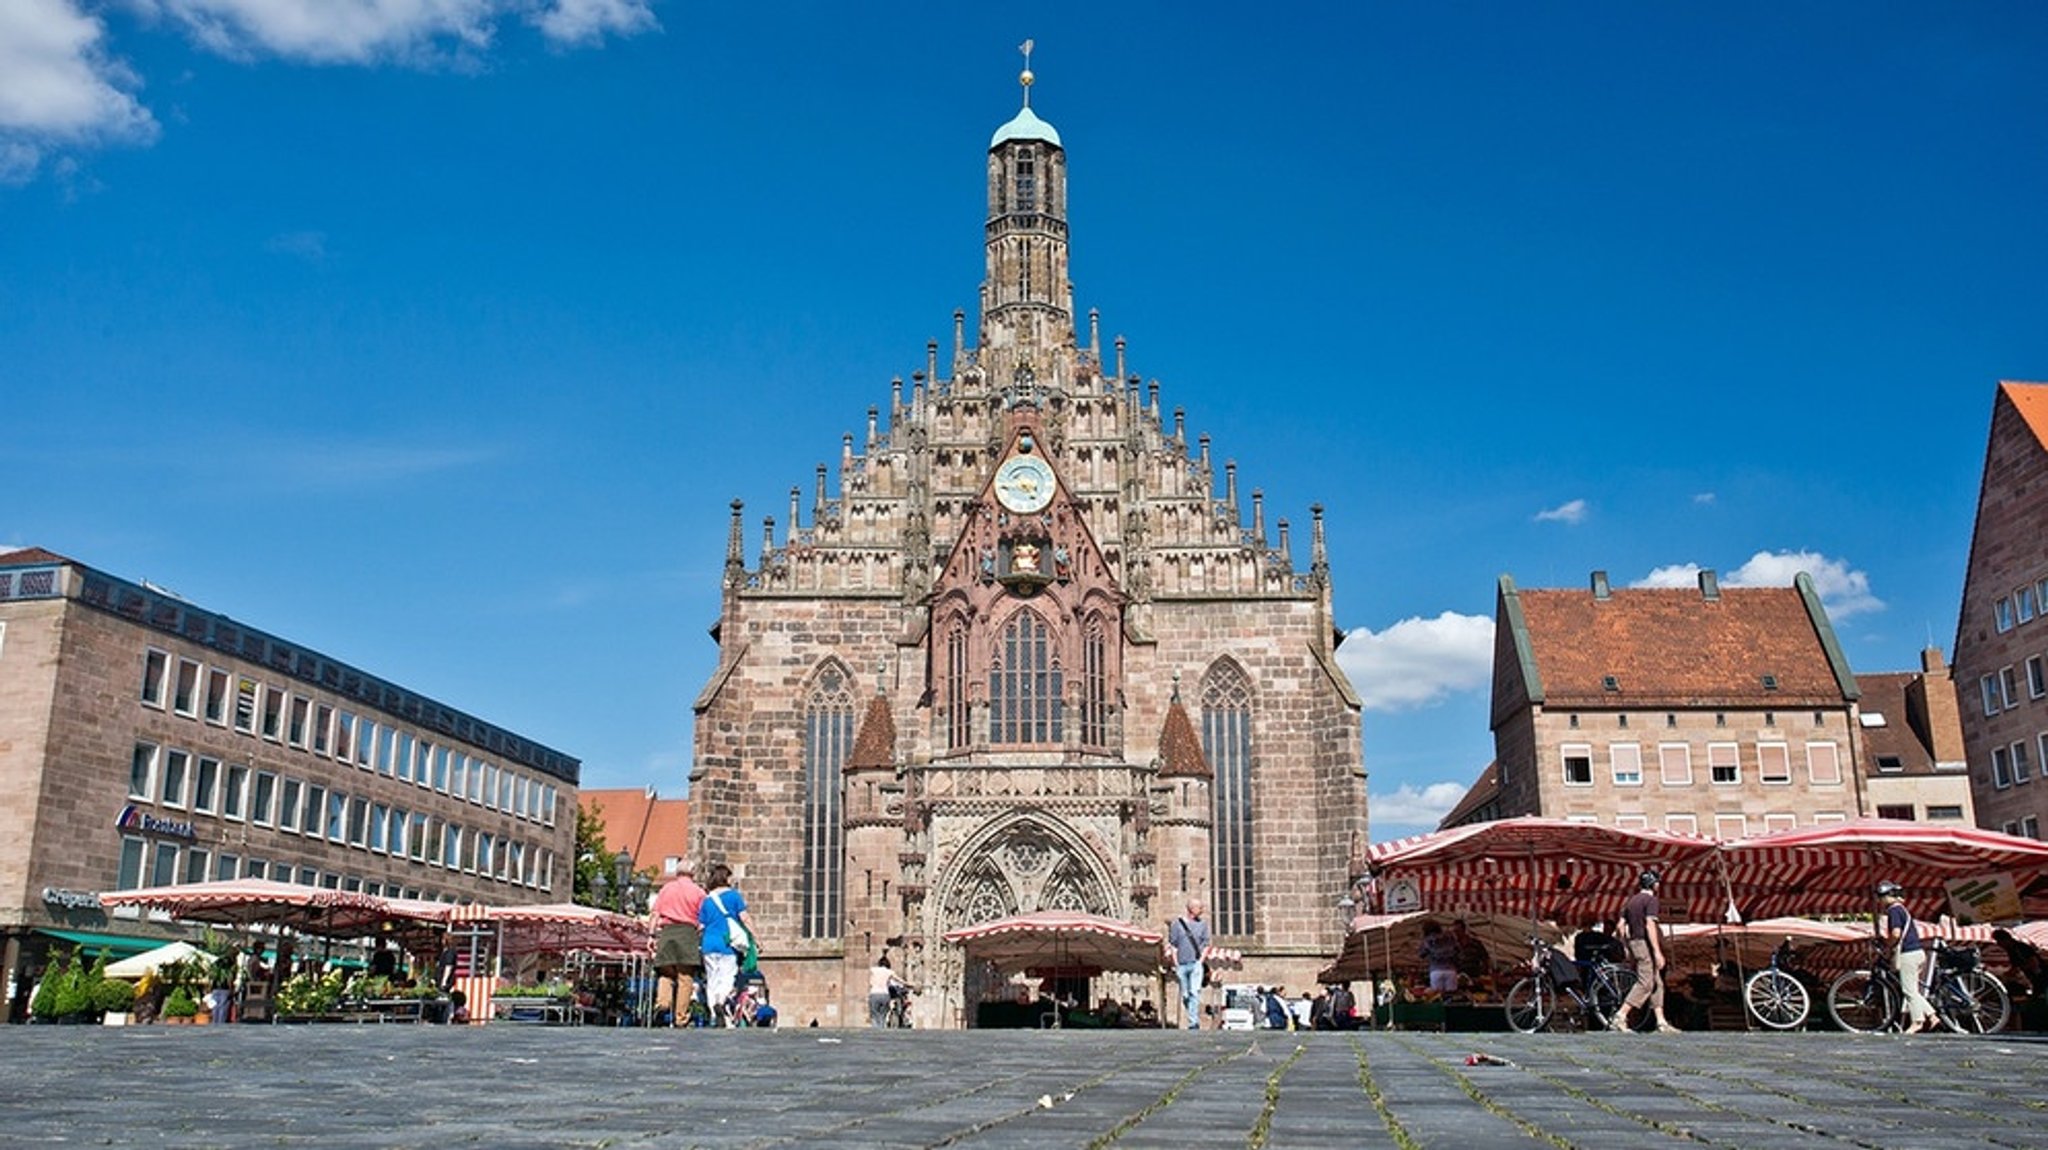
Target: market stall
(1059,945)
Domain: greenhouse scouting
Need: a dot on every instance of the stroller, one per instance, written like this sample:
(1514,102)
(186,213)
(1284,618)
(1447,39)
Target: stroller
(749,1005)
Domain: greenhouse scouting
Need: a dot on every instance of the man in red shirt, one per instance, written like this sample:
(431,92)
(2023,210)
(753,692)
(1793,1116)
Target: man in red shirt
(678,946)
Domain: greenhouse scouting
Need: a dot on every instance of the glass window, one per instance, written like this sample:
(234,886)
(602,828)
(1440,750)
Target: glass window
(198,863)
(2002,611)
(217,697)
(451,846)
(958,710)
(2001,770)
(1774,762)
(1025,684)
(163,864)
(1940,811)
(245,706)
(262,798)
(204,781)
(828,739)
(1674,764)
(1627,761)
(129,876)
(173,790)
(548,807)
(337,817)
(1780,822)
(405,755)
(234,790)
(1728,828)
(142,771)
(315,819)
(323,723)
(1901,812)
(226,867)
(1227,744)
(476,781)
(416,837)
(273,712)
(366,742)
(2022,771)
(380,820)
(1095,698)
(1988,687)
(441,769)
(1682,824)
(288,801)
(1724,763)
(358,821)
(295,725)
(344,735)
(504,791)
(255,868)
(386,737)
(2008,687)
(1578,764)
(2024,600)
(156,666)
(1823,764)
(185,690)
(2037,682)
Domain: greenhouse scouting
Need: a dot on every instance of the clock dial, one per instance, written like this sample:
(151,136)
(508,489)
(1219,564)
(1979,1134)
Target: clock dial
(1024,484)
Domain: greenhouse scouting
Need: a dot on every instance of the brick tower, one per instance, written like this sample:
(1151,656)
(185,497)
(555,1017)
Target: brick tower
(1025,656)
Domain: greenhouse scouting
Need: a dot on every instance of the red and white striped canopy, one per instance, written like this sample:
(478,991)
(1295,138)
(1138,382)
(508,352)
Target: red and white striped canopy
(1548,868)
(564,927)
(1061,939)
(247,901)
(1835,868)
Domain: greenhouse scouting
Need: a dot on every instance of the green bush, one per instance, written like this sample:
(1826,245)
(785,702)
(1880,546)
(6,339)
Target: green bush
(114,996)
(57,977)
(180,1004)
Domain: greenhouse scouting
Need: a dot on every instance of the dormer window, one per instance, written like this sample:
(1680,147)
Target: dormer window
(1770,682)
(1609,683)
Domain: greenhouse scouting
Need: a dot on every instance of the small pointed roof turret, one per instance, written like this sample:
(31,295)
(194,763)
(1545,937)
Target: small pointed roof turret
(874,748)
(1180,750)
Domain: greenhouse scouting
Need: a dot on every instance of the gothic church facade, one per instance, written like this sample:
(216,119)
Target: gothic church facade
(1027,654)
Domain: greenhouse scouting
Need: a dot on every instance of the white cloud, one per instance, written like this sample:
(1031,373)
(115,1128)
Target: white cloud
(1408,807)
(1703,498)
(589,21)
(1418,661)
(1843,590)
(371,31)
(1572,513)
(59,87)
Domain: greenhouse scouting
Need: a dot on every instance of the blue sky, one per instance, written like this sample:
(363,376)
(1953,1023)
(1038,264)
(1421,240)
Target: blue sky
(438,334)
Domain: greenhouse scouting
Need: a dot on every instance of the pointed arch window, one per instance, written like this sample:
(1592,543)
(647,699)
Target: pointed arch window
(1227,742)
(828,739)
(959,726)
(1024,684)
(1095,682)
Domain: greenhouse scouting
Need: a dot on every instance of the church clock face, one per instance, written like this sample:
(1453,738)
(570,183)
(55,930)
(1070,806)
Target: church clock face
(1024,484)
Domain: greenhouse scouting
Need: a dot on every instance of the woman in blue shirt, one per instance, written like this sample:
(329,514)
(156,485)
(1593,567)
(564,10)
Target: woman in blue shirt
(721,906)
(1908,958)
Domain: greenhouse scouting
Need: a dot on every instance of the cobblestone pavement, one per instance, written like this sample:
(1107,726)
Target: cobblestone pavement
(516,1086)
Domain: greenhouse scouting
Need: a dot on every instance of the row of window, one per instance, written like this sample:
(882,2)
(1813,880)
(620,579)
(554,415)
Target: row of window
(2022,606)
(177,779)
(2002,691)
(194,690)
(2011,765)
(161,862)
(2029,827)
(1724,764)
(1726,826)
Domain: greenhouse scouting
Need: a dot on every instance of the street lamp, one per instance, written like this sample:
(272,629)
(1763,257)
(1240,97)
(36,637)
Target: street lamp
(624,882)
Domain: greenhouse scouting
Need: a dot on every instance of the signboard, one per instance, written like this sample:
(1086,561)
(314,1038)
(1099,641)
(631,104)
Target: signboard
(135,819)
(1403,896)
(1986,898)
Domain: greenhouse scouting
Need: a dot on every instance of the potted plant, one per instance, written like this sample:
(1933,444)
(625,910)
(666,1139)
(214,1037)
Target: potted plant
(180,1008)
(55,984)
(309,994)
(115,998)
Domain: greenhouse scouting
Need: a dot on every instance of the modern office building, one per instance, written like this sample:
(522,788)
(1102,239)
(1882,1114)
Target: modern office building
(1033,649)
(2001,661)
(147,741)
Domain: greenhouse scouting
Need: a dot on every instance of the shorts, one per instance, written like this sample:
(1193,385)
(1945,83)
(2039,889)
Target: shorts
(681,946)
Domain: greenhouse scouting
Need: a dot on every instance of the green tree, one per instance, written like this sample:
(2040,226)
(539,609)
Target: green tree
(592,856)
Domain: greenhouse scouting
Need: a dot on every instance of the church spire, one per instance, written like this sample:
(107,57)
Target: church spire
(1027,301)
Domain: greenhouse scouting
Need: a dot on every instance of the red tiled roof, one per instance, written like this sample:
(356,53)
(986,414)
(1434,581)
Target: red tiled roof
(1484,790)
(1885,694)
(1180,752)
(28,556)
(875,745)
(2031,401)
(636,820)
(1675,647)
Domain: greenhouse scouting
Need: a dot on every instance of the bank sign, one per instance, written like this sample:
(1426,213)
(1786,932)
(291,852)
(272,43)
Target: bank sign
(134,820)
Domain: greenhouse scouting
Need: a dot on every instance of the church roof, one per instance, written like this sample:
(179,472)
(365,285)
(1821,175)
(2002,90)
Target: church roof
(1180,752)
(2031,401)
(875,745)
(1025,126)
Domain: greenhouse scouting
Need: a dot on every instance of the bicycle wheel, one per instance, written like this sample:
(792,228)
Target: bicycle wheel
(1973,1002)
(1860,1003)
(1776,999)
(1611,985)
(1530,1004)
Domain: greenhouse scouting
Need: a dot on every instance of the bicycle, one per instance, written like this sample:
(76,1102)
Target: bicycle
(1966,998)
(1774,995)
(897,1017)
(1558,995)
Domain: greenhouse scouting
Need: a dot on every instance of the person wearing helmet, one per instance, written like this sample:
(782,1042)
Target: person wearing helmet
(1639,929)
(1902,934)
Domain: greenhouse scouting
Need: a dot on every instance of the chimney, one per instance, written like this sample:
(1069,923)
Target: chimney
(1933,696)
(1710,585)
(1601,588)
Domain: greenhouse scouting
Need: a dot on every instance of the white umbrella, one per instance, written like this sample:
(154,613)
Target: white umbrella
(148,961)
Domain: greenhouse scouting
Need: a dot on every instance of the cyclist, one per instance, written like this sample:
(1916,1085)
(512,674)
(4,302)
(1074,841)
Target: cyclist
(1902,935)
(1639,927)
(883,985)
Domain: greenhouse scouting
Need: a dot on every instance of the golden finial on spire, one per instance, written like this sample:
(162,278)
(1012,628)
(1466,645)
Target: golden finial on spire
(1025,78)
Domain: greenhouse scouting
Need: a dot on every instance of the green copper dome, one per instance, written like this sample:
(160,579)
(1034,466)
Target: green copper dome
(1025,126)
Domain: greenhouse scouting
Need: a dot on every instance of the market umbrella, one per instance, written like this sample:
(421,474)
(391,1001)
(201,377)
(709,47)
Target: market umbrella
(1705,945)
(1065,940)
(1834,868)
(253,901)
(1546,869)
(135,966)
(562,928)
(1378,944)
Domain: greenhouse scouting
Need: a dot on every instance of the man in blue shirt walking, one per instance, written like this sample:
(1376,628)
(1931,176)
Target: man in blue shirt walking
(1189,937)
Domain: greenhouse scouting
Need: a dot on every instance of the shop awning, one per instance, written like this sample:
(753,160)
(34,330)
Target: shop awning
(116,945)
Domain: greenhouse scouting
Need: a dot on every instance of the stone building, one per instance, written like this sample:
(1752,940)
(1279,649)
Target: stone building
(145,741)
(1709,710)
(2002,633)
(1030,650)
(1911,764)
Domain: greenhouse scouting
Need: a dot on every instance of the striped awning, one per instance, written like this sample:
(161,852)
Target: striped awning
(249,901)
(1834,868)
(1061,940)
(1547,869)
